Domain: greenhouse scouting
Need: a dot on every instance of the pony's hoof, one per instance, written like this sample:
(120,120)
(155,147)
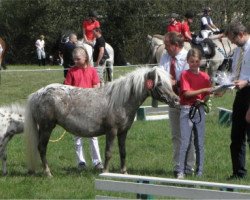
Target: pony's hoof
(105,171)
(5,173)
(124,172)
(31,172)
(49,175)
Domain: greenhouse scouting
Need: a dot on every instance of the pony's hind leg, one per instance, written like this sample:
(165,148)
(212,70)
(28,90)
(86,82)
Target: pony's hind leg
(44,135)
(110,137)
(3,155)
(122,150)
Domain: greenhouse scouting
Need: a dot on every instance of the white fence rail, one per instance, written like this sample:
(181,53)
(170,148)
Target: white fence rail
(145,186)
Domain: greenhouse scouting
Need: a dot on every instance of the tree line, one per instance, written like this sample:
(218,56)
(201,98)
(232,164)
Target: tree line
(125,23)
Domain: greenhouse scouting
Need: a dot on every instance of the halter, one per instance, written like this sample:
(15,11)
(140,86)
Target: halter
(154,88)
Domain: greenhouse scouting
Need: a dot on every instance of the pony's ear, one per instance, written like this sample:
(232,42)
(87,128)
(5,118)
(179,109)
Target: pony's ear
(150,79)
(152,74)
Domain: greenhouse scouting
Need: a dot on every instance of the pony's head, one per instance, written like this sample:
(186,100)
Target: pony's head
(158,84)
(155,41)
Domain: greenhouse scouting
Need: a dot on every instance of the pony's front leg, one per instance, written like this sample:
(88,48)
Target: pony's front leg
(122,150)
(110,137)
(4,165)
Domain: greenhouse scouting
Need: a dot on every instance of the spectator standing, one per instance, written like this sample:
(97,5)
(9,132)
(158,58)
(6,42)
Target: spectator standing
(238,34)
(174,62)
(174,24)
(100,54)
(85,76)
(195,86)
(88,26)
(67,52)
(40,50)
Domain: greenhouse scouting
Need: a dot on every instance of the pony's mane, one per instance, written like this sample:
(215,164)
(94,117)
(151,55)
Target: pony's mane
(133,84)
(13,108)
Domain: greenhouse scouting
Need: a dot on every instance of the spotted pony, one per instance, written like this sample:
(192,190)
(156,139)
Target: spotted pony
(11,123)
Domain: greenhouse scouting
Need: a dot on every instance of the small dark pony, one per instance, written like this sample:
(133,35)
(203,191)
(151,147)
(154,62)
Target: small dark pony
(109,110)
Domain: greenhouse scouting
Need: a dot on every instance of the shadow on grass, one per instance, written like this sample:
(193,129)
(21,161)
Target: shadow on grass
(151,172)
(21,173)
(76,171)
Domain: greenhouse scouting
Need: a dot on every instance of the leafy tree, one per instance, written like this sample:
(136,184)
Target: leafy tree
(125,23)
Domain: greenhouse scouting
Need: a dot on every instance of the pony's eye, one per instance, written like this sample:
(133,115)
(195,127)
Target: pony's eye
(159,84)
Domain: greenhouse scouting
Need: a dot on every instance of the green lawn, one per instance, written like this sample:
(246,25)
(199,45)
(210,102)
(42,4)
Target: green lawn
(149,147)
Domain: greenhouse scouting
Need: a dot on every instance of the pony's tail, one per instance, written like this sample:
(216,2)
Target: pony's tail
(31,138)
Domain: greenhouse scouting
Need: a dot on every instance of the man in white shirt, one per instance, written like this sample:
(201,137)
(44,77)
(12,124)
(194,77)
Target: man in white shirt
(238,34)
(41,56)
(175,52)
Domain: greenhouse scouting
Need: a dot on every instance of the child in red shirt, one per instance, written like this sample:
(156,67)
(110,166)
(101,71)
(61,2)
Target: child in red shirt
(195,85)
(85,76)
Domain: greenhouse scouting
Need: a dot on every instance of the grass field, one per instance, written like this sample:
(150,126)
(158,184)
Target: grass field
(149,147)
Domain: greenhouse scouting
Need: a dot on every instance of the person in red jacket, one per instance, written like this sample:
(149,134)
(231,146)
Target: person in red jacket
(85,76)
(174,24)
(88,26)
(185,31)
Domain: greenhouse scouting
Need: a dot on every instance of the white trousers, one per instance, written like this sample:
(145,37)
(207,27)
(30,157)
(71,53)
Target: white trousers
(94,146)
(174,119)
(206,33)
(40,54)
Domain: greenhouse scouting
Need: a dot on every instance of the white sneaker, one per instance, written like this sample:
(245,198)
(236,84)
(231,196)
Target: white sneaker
(180,175)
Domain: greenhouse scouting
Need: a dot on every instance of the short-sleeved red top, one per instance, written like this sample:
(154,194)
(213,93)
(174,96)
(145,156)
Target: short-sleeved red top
(174,27)
(185,28)
(82,77)
(190,82)
(89,26)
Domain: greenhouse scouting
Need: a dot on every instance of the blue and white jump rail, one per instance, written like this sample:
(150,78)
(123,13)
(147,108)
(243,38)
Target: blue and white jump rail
(149,113)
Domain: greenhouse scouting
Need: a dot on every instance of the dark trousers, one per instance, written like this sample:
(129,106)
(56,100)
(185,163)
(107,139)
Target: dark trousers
(240,131)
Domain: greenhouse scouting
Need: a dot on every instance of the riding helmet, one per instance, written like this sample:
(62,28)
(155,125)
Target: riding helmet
(93,13)
(174,15)
(207,9)
(189,15)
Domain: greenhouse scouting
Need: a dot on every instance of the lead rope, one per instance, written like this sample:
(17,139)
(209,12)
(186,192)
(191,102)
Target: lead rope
(56,140)
(192,112)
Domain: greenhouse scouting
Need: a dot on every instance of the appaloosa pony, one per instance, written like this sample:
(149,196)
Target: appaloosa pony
(11,123)
(108,110)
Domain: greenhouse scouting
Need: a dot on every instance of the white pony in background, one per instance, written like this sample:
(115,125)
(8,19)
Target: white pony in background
(223,51)
(11,123)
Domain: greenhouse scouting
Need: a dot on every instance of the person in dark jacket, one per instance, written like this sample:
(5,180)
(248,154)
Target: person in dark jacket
(67,52)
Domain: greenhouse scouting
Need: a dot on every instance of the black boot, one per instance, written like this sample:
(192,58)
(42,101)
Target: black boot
(44,63)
